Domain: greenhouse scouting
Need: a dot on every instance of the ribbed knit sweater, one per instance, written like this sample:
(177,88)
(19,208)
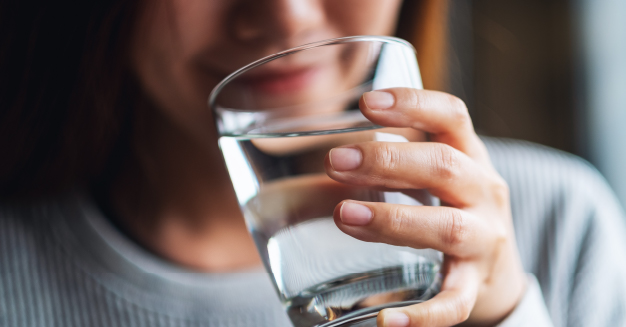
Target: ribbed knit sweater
(63,264)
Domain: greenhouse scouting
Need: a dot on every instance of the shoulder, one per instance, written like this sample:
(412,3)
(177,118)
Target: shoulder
(26,236)
(548,177)
(39,273)
(19,222)
(561,205)
(30,229)
(514,157)
(552,186)
(25,254)
(569,228)
(29,237)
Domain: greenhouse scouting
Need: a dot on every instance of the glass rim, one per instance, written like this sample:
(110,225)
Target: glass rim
(312,45)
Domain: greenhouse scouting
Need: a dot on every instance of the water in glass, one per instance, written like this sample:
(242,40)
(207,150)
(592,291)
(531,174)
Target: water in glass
(323,276)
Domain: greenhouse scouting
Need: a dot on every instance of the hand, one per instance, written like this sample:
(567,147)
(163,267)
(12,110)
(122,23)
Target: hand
(483,276)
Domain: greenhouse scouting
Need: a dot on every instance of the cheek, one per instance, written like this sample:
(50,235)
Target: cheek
(363,17)
(167,37)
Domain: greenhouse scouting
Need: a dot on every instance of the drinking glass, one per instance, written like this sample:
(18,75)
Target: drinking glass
(277,118)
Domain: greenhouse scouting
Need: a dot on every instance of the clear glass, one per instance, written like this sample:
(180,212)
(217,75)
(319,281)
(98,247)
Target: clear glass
(277,118)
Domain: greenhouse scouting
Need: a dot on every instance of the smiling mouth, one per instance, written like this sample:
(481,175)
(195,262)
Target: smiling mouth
(280,82)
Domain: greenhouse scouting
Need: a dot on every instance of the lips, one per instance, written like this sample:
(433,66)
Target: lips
(279,81)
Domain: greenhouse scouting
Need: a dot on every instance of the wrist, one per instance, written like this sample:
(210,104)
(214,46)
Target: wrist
(499,296)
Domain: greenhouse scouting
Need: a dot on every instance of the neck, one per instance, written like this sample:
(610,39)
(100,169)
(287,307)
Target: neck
(175,198)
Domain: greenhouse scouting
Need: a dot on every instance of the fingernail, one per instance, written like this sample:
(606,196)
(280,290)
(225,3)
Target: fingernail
(396,319)
(379,100)
(342,159)
(355,214)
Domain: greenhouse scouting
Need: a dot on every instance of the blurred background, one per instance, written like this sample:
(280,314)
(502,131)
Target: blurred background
(550,71)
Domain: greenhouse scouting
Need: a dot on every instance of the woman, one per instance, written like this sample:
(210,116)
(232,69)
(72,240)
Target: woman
(107,101)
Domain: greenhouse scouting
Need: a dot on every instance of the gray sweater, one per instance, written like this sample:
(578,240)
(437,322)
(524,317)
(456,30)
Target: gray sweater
(63,264)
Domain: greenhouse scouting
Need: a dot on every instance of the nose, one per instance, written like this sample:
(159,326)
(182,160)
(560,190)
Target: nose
(277,20)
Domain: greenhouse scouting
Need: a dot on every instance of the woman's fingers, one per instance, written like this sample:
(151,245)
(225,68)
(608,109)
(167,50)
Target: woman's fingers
(446,172)
(449,230)
(442,115)
(451,306)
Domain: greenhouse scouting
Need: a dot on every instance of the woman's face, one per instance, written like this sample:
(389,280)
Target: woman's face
(182,48)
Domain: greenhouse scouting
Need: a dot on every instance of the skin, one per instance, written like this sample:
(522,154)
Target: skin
(176,200)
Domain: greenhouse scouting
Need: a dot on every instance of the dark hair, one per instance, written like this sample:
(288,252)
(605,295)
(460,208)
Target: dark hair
(66,92)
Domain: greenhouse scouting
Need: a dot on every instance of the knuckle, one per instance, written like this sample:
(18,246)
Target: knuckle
(430,316)
(459,110)
(425,315)
(388,156)
(463,308)
(415,99)
(500,236)
(454,230)
(398,220)
(446,162)
(500,191)
(443,313)
(450,313)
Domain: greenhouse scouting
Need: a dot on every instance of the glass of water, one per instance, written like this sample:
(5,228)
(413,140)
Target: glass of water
(277,118)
